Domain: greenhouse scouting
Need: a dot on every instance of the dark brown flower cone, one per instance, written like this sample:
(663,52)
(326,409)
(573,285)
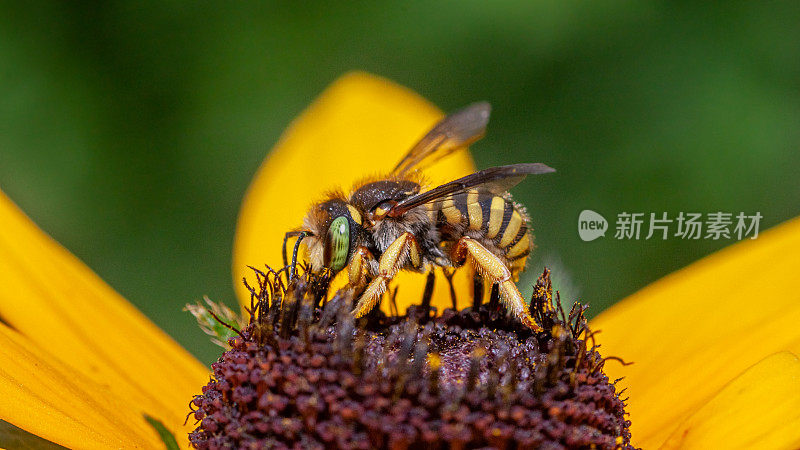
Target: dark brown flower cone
(307,376)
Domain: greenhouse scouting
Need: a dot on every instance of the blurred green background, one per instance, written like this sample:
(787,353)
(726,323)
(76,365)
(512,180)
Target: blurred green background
(129,130)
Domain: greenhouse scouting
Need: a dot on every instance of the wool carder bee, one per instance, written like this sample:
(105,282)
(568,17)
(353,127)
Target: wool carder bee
(391,224)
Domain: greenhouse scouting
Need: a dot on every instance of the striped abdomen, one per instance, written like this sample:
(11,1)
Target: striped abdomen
(490,218)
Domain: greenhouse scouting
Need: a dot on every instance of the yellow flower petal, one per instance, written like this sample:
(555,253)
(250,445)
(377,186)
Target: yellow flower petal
(60,305)
(759,409)
(51,400)
(360,126)
(693,331)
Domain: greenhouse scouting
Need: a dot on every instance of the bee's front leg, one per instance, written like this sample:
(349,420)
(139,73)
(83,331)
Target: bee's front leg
(358,268)
(495,270)
(402,251)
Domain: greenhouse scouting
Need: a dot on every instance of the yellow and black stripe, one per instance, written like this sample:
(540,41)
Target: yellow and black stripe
(493,215)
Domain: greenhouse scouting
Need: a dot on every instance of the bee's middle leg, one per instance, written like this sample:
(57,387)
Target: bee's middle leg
(402,251)
(494,269)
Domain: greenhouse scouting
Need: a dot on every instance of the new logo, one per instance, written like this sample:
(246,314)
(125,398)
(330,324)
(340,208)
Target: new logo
(591,225)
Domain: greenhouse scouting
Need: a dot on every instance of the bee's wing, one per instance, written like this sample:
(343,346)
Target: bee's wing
(495,180)
(454,132)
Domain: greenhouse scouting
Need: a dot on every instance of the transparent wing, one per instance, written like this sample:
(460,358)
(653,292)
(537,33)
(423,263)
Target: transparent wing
(495,180)
(454,132)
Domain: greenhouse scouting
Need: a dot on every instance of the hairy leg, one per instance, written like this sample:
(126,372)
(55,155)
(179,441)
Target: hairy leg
(402,252)
(495,270)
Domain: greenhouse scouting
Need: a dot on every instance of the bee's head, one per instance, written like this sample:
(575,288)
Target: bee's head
(336,229)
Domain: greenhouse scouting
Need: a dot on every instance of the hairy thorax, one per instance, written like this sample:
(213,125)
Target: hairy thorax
(419,224)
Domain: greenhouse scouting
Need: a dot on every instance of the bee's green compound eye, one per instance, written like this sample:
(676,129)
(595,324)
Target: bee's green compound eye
(339,242)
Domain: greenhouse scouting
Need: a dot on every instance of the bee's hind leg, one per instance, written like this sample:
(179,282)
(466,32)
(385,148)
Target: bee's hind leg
(494,269)
(402,251)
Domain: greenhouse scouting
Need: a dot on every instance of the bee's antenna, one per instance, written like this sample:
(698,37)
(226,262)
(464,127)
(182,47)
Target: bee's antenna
(300,236)
(289,234)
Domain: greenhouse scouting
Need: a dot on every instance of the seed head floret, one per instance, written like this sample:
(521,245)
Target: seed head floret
(304,373)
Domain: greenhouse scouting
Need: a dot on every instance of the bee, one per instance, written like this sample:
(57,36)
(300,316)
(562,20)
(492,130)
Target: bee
(392,224)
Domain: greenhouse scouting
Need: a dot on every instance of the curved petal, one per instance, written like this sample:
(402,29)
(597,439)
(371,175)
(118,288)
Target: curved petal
(60,305)
(693,331)
(758,409)
(42,395)
(360,126)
